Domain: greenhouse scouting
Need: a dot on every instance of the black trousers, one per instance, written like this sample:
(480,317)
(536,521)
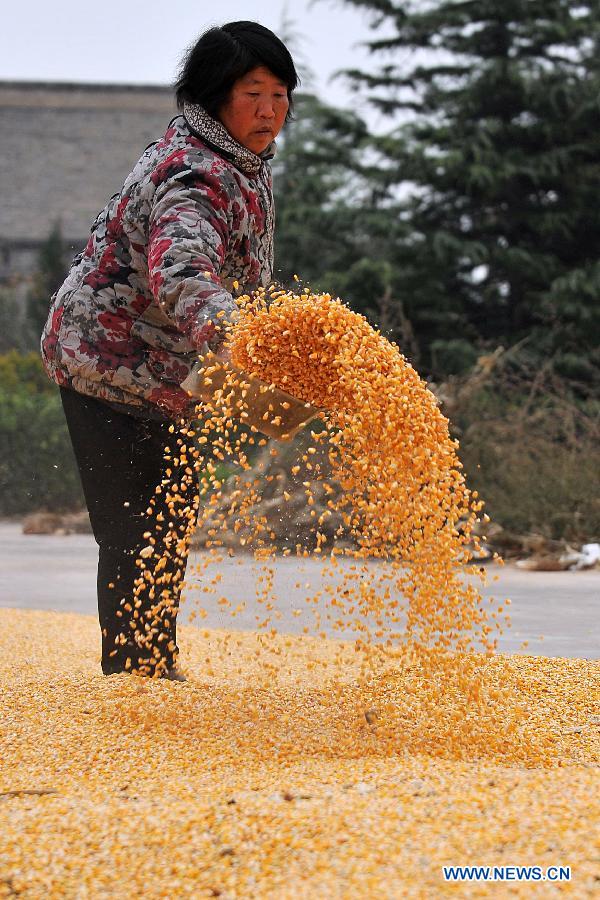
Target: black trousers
(121,463)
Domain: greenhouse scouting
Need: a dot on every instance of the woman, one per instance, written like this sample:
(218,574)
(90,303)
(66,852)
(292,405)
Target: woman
(152,287)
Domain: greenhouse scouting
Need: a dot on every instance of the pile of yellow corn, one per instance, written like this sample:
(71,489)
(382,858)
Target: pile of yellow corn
(273,773)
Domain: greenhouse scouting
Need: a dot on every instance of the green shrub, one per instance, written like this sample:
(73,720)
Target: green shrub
(37,466)
(453,357)
(532,450)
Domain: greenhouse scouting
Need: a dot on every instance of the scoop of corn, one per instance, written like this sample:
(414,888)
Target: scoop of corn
(400,494)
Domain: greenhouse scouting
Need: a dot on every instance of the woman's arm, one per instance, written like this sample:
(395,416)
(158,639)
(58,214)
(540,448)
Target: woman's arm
(189,233)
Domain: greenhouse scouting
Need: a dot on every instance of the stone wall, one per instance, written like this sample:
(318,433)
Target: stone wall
(64,150)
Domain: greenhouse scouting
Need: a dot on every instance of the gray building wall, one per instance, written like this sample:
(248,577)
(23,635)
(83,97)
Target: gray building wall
(64,150)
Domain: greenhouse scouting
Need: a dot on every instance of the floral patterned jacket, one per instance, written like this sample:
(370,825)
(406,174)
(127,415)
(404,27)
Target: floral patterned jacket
(155,280)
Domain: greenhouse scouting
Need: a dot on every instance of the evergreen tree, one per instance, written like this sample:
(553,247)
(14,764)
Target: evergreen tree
(332,230)
(316,184)
(50,274)
(499,142)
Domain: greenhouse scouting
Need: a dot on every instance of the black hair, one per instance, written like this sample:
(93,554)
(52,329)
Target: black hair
(224,54)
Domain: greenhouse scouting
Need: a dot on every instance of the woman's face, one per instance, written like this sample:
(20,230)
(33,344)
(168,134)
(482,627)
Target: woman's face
(256,109)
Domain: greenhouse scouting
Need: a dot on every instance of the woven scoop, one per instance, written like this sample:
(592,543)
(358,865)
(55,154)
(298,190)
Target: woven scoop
(258,404)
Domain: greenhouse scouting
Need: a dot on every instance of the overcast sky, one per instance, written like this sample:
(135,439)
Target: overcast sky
(141,41)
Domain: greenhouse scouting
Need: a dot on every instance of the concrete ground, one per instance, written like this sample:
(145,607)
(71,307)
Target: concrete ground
(558,613)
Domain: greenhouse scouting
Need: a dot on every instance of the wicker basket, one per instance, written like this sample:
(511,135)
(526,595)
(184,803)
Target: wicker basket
(258,404)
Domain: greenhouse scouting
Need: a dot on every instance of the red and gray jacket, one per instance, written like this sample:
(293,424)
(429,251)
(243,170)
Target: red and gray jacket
(155,280)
